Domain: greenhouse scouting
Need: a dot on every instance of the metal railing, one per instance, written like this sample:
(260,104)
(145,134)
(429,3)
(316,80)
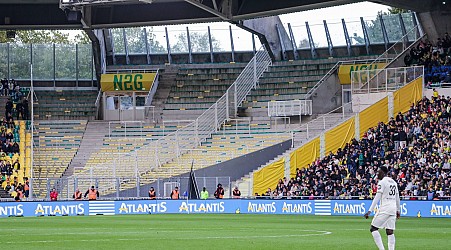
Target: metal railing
(394,51)
(236,120)
(97,103)
(147,111)
(335,68)
(172,146)
(112,188)
(153,89)
(289,108)
(125,125)
(389,56)
(403,43)
(320,124)
(383,80)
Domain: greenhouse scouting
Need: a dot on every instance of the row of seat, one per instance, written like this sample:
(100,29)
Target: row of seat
(56,144)
(65,105)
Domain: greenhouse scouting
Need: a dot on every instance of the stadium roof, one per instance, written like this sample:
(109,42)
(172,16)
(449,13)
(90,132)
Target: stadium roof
(48,14)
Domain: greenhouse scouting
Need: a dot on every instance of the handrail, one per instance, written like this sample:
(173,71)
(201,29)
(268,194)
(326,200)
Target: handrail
(409,74)
(289,108)
(309,94)
(97,103)
(323,118)
(132,71)
(171,145)
(414,29)
(401,40)
(153,89)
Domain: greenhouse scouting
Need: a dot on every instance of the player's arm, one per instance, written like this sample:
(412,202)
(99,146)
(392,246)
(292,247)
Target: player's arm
(377,198)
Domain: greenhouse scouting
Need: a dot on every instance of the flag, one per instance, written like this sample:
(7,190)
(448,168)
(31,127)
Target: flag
(193,191)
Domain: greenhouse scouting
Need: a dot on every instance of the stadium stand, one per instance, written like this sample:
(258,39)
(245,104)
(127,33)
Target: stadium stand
(233,141)
(195,89)
(436,58)
(290,80)
(56,143)
(65,105)
(15,141)
(414,146)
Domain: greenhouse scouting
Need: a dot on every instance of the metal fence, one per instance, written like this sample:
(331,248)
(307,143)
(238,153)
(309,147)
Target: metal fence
(53,62)
(290,108)
(383,80)
(110,188)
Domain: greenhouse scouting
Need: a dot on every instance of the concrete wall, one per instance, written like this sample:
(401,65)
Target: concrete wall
(327,96)
(441,91)
(435,23)
(363,101)
(267,27)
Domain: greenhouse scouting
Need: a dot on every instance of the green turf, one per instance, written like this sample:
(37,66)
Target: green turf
(229,231)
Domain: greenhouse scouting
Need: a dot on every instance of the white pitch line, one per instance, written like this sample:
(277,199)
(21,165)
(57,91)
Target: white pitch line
(314,233)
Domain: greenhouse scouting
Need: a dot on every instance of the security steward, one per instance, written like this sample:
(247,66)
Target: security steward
(152,194)
(77,195)
(236,193)
(175,195)
(92,194)
(219,193)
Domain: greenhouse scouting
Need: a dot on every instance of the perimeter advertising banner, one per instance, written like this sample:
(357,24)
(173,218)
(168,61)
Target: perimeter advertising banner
(440,209)
(127,82)
(345,71)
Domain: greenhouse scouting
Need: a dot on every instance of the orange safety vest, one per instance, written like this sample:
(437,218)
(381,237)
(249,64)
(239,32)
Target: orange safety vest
(20,194)
(77,195)
(219,193)
(92,194)
(27,186)
(152,195)
(236,194)
(175,195)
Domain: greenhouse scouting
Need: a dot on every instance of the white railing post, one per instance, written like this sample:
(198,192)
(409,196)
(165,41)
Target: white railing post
(216,116)
(255,72)
(197,132)
(405,76)
(177,149)
(125,131)
(386,80)
(235,105)
(227,105)
(324,122)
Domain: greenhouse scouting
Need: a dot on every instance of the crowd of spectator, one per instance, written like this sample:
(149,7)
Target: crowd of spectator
(414,146)
(436,59)
(17,107)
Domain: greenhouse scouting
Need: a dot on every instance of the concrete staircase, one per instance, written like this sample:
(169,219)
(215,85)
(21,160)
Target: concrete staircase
(92,142)
(166,82)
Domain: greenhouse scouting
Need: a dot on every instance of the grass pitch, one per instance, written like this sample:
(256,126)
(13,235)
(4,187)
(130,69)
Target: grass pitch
(208,231)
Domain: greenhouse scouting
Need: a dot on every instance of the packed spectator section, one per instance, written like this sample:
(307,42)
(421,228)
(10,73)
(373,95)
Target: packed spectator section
(13,164)
(414,146)
(436,58)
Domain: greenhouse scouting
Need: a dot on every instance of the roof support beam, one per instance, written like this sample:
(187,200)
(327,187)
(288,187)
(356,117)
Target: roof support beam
(208,9)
